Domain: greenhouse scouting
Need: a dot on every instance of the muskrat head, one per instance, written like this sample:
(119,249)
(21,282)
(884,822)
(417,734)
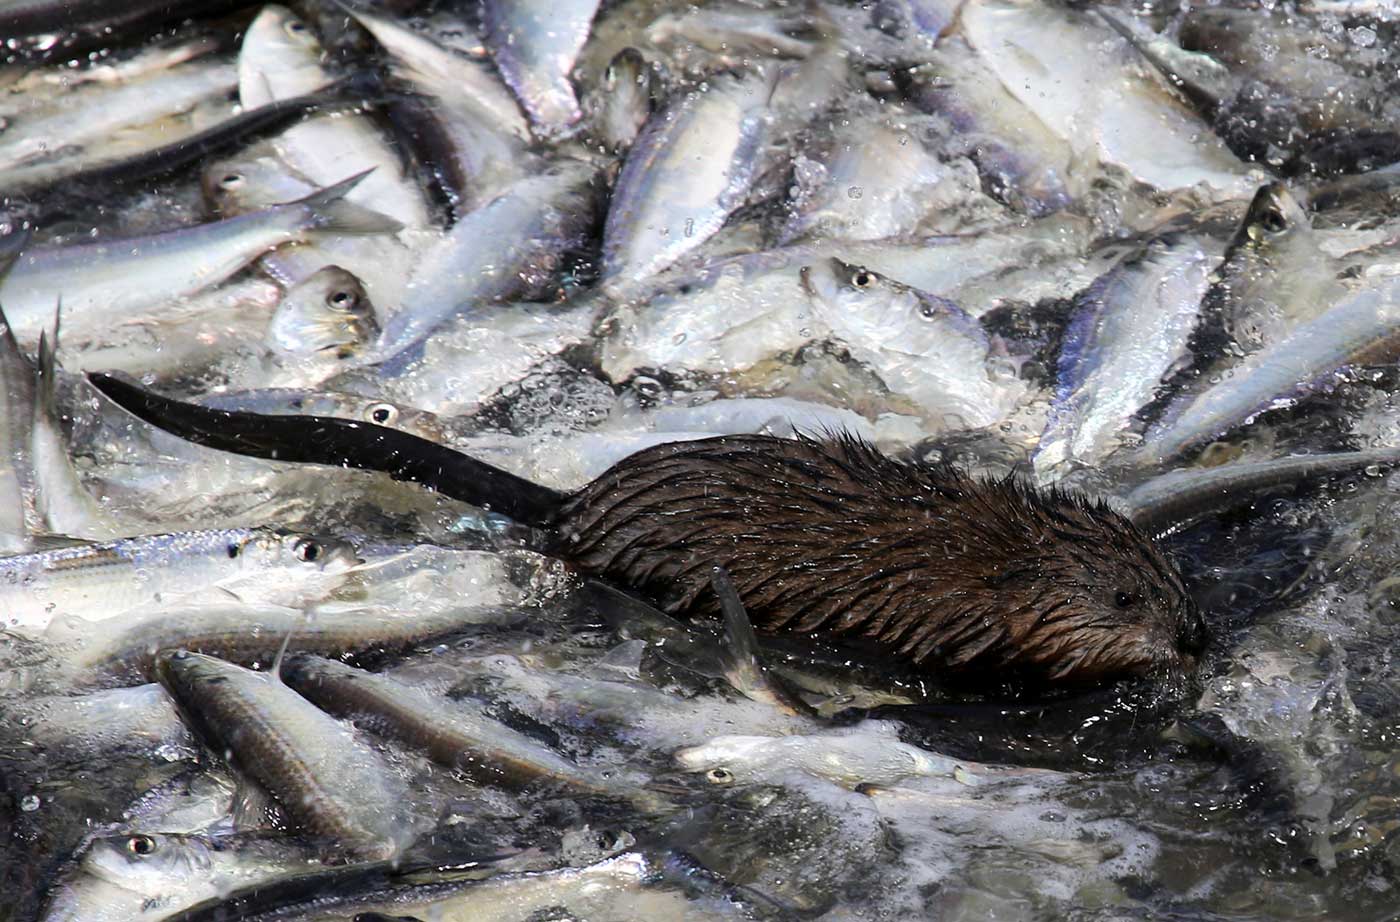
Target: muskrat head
(1089,597)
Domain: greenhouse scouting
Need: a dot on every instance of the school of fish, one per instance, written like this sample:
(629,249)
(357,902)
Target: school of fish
(1149,251)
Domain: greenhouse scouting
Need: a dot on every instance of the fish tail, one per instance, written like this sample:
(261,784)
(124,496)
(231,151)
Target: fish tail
(329,212)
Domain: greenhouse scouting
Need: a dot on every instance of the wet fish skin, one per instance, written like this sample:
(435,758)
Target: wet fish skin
(1360,327)
(131,274)
(1131,327)
(123,652)
(630,91)
(45,181)
(329,311)
(484,133)
(327,780)
(64,504)
(489,752)
(1180,498)
(100,581)
(705,145)
(127,876)
(535,44)
(19,516)
(508,248)
(20,18)
(623,888)
(923,347)
(87,116)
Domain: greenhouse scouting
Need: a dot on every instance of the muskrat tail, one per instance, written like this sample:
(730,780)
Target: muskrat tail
(343,443)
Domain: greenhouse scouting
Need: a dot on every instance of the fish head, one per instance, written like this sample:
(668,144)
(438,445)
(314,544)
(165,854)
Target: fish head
(1273,214)
(147,862)
(242,184)
(280,58)
(867,308)
(320,553)
(328,311)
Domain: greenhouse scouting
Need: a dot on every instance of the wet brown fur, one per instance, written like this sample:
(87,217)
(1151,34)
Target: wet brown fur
(988,579)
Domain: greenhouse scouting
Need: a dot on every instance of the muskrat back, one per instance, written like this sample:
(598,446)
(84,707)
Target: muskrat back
(948,572)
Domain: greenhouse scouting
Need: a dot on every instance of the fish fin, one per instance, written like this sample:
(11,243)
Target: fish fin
(276,670)
(739,656)
(45,365)
(332,213)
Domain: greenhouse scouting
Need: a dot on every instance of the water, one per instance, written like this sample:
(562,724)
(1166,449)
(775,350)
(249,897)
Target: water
(1269,790)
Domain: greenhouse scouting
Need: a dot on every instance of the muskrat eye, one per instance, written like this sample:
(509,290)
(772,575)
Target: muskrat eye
(340,300)
(307,550)
(382,414)
(719,776)
(1123,600)
(862,279)
(140,846)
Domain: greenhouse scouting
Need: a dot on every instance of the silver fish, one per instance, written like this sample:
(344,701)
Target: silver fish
(281,58)
(1361,326)
(93,280)
(505,249)
(630,91)
(868,753)
(141,875)
(19,516)
(925,349)
(487,751)
(327,780)
(689,169)
(535,43)
(91,115)
(482,120)
(327,311)
(1131,327)
(99,581)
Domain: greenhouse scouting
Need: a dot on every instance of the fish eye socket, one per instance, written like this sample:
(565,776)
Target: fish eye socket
(1123,600)
(862,279)
(719,776)
(307,550)
(140,846)
(231,180)
(341,300)
(382,414)
(1273,222)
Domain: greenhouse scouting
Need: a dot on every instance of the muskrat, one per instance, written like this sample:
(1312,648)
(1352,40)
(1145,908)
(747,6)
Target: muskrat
(963,578)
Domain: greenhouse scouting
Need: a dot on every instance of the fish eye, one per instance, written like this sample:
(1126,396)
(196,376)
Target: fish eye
(234,550)
(140,846)
(719,776)
(296,27)
(307,550)
(862,279)
(1124,600)
(231,180)
(1273,221)
(928,309)
(340,300)
(382,414)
